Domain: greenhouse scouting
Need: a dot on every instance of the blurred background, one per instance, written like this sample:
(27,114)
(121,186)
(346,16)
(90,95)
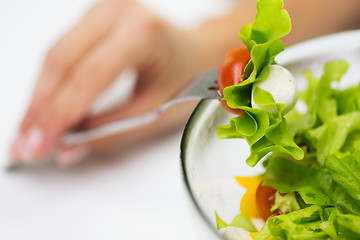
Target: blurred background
(138,194)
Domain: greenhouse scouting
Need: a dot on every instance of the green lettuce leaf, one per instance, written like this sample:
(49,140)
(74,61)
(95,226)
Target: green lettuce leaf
(346,173)
(299,178)
(330,138)
(240,221)
(342,226)
(320,195)
(313,222)
(313,183)
(285,203)
(322,101)
(347,226)
(347,100)
(263,41)
(220,223)
(327,179)
(265,234)
(303,224)
(265,132)
(326,107)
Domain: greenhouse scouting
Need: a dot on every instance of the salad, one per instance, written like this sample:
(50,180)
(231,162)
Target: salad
(311,185)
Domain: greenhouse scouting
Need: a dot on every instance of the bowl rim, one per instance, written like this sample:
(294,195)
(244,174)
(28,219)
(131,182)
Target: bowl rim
(193,119)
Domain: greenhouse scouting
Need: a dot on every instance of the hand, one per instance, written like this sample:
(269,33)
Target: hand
(117,34)
(114,35)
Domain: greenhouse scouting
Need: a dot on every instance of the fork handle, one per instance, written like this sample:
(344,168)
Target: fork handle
(204,87)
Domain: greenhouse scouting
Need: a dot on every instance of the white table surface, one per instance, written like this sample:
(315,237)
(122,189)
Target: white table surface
(143,197)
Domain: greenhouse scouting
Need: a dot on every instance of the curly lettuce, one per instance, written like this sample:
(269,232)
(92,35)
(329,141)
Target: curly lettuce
(320,195)
(327,180)
(265,132)
(239,221)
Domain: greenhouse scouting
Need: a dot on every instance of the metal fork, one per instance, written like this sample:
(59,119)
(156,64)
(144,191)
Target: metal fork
(203,88)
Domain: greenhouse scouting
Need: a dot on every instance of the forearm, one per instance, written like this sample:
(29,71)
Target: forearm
(309,19)
(315,18)
(214,38)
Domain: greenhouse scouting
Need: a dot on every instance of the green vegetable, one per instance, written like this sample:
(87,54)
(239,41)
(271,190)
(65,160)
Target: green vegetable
(346,173)
(328,178)
(314,185)
(330,138)
(240,221)
(263,131)
(285,203)
(300,225)
(307,181)
(265,234)
(319,196)
(312,222)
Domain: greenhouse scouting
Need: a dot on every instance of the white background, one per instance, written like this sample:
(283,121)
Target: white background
(140,197)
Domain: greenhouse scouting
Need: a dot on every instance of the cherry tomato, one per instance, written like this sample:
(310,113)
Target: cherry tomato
(231,72)
(265,199)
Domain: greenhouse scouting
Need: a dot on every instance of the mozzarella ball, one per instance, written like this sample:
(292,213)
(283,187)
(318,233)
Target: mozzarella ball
(281,85)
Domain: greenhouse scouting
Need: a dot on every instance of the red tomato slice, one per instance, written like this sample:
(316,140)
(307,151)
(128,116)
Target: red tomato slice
(231,72)
(265,199)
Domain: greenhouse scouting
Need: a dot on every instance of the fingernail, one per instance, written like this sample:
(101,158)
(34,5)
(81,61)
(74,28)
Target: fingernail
(32,141)
(71,156)
(15,148)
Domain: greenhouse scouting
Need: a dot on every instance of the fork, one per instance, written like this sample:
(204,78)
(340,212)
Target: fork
(203,88)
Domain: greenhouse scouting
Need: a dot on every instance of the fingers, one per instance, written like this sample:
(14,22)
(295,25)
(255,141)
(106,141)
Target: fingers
(127,44)
(95,25)
(70,49)
(171,120)
(70,155)
(139,104)
(99,69)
